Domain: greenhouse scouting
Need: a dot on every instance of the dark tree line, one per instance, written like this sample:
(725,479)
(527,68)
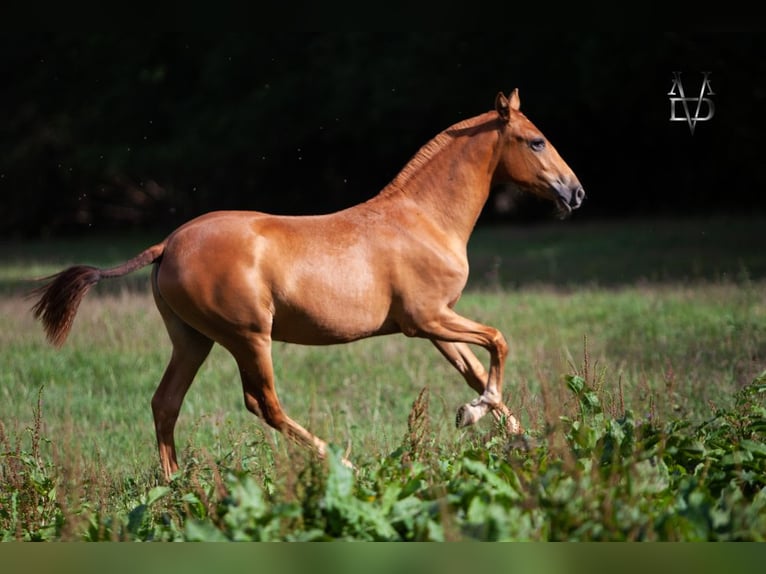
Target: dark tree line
(106,131)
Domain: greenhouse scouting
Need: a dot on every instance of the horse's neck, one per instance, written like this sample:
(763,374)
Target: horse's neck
(448,179)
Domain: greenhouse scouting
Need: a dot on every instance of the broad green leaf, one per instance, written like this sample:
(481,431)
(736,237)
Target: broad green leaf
(156,493)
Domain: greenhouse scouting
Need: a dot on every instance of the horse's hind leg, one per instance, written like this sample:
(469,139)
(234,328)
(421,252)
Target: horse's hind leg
(465,361)
(190,348)
(257,372)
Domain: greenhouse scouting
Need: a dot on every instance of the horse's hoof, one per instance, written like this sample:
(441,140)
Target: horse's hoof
(514,426)
(460,417)
(465,416)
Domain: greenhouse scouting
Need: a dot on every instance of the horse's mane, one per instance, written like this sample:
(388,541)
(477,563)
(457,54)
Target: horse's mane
(431,149)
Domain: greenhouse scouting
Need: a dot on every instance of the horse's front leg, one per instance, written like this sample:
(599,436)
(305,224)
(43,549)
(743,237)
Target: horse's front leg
(468,365)
(447,326)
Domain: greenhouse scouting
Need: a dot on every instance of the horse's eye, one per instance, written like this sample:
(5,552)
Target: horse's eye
(537,144)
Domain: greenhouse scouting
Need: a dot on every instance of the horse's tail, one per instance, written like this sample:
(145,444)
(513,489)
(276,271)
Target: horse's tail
(61,295)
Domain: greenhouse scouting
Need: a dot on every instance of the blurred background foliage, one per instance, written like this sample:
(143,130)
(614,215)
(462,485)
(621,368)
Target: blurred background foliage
(107,131)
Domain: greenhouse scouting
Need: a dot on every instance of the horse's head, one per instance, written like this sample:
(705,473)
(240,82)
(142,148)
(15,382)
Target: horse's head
(528,159)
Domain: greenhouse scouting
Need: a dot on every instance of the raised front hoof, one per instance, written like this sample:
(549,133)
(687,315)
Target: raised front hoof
(467,415)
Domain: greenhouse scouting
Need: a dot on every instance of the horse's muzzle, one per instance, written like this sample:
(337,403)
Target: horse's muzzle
(570,199)
(577,197)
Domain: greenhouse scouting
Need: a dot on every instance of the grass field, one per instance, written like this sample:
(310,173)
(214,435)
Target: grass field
(658,323)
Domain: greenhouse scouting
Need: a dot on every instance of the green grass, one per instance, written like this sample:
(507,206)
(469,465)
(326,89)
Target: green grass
(666,331)
(667,345)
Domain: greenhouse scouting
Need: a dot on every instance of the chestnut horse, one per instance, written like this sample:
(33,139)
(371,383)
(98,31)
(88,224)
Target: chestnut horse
(396,263)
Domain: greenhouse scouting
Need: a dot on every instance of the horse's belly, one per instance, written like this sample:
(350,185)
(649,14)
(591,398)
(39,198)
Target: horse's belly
(328,322)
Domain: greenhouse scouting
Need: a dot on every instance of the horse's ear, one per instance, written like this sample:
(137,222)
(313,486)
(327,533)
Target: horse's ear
(502,106)
(515,99)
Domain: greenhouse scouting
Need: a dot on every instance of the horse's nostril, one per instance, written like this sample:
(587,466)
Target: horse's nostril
(578,196)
